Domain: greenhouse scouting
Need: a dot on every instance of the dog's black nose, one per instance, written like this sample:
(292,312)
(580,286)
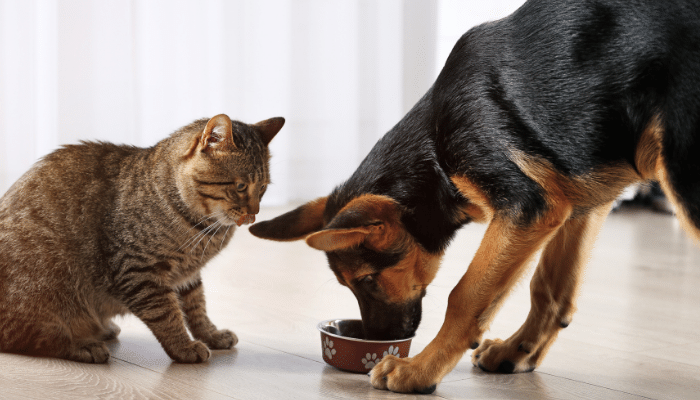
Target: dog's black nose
(392,327)
(389,333)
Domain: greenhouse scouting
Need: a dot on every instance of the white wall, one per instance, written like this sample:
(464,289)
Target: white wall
(455,17)
(132,71)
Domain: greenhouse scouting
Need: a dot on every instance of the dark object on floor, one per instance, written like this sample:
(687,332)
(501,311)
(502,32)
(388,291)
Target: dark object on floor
(649,197)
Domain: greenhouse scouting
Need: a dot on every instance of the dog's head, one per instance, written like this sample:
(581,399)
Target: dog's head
(371,253)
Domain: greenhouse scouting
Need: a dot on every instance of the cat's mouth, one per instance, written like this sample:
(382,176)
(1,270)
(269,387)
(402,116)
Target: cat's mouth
(240,218)
(245,219)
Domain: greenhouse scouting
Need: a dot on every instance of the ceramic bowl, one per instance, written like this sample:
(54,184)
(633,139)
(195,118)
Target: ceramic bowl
(343,347)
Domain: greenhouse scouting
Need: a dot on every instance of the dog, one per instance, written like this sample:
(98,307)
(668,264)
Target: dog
(534,126)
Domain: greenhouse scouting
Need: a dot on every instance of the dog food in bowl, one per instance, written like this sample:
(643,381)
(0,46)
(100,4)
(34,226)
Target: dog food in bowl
(343,347)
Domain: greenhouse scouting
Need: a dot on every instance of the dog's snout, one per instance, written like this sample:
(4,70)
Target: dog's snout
(381,321)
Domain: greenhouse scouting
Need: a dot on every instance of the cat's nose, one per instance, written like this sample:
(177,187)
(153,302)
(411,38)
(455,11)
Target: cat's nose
(253,208)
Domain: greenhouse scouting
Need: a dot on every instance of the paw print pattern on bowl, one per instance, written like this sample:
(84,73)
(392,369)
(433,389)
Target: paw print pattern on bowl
(370,360)
(328,348)
(392,351)
(342,347)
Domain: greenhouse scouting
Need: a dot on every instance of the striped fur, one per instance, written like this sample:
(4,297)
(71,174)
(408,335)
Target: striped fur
(97,230)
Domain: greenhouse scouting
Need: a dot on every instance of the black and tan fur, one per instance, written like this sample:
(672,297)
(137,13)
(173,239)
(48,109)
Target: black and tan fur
(534,126)
(97,230)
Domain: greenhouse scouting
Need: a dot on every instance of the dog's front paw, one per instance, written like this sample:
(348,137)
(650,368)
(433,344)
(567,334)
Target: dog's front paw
(222,339)
(403,375)
(502,356)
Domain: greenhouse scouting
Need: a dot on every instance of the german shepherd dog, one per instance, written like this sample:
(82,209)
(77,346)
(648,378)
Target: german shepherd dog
(534,126)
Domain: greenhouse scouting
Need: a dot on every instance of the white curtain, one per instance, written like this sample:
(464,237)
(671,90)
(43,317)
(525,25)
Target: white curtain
(132,71)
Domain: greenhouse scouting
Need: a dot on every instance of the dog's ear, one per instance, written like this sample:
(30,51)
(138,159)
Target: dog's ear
(295,224)
(370,219)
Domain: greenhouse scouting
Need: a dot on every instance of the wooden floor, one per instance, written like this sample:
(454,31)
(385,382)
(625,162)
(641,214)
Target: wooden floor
(636,334)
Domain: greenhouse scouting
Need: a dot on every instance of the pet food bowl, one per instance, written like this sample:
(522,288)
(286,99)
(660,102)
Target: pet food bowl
(344,349)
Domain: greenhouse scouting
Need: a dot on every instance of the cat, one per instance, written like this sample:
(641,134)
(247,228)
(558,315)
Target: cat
(97,230)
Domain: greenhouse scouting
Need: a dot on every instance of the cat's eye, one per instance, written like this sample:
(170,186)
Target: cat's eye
(241,187)
(366,279)
(214,183)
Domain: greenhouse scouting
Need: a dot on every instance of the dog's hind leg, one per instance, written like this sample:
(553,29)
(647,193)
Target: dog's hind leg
(553,291)
(670,155)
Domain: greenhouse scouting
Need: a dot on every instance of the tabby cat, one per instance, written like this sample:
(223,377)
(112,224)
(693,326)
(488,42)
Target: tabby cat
(97,230)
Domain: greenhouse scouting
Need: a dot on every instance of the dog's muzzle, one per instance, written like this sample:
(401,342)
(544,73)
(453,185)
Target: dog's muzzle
(383,321)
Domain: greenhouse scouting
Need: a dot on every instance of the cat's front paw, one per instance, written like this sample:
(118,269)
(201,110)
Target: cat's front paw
(194,352)
(221,339)
(90,352)
(112,330)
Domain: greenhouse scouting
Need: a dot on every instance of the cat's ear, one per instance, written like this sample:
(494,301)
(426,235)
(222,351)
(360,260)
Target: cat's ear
(217,135)
(269,128)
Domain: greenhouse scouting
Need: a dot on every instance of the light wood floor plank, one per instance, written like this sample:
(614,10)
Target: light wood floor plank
(40,378)
(635,335)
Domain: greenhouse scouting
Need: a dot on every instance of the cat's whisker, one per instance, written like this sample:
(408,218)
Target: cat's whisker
(203,220)
(221,245)
(210,238)
(200,233)
(194,242)
(216,225)
(204,234)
